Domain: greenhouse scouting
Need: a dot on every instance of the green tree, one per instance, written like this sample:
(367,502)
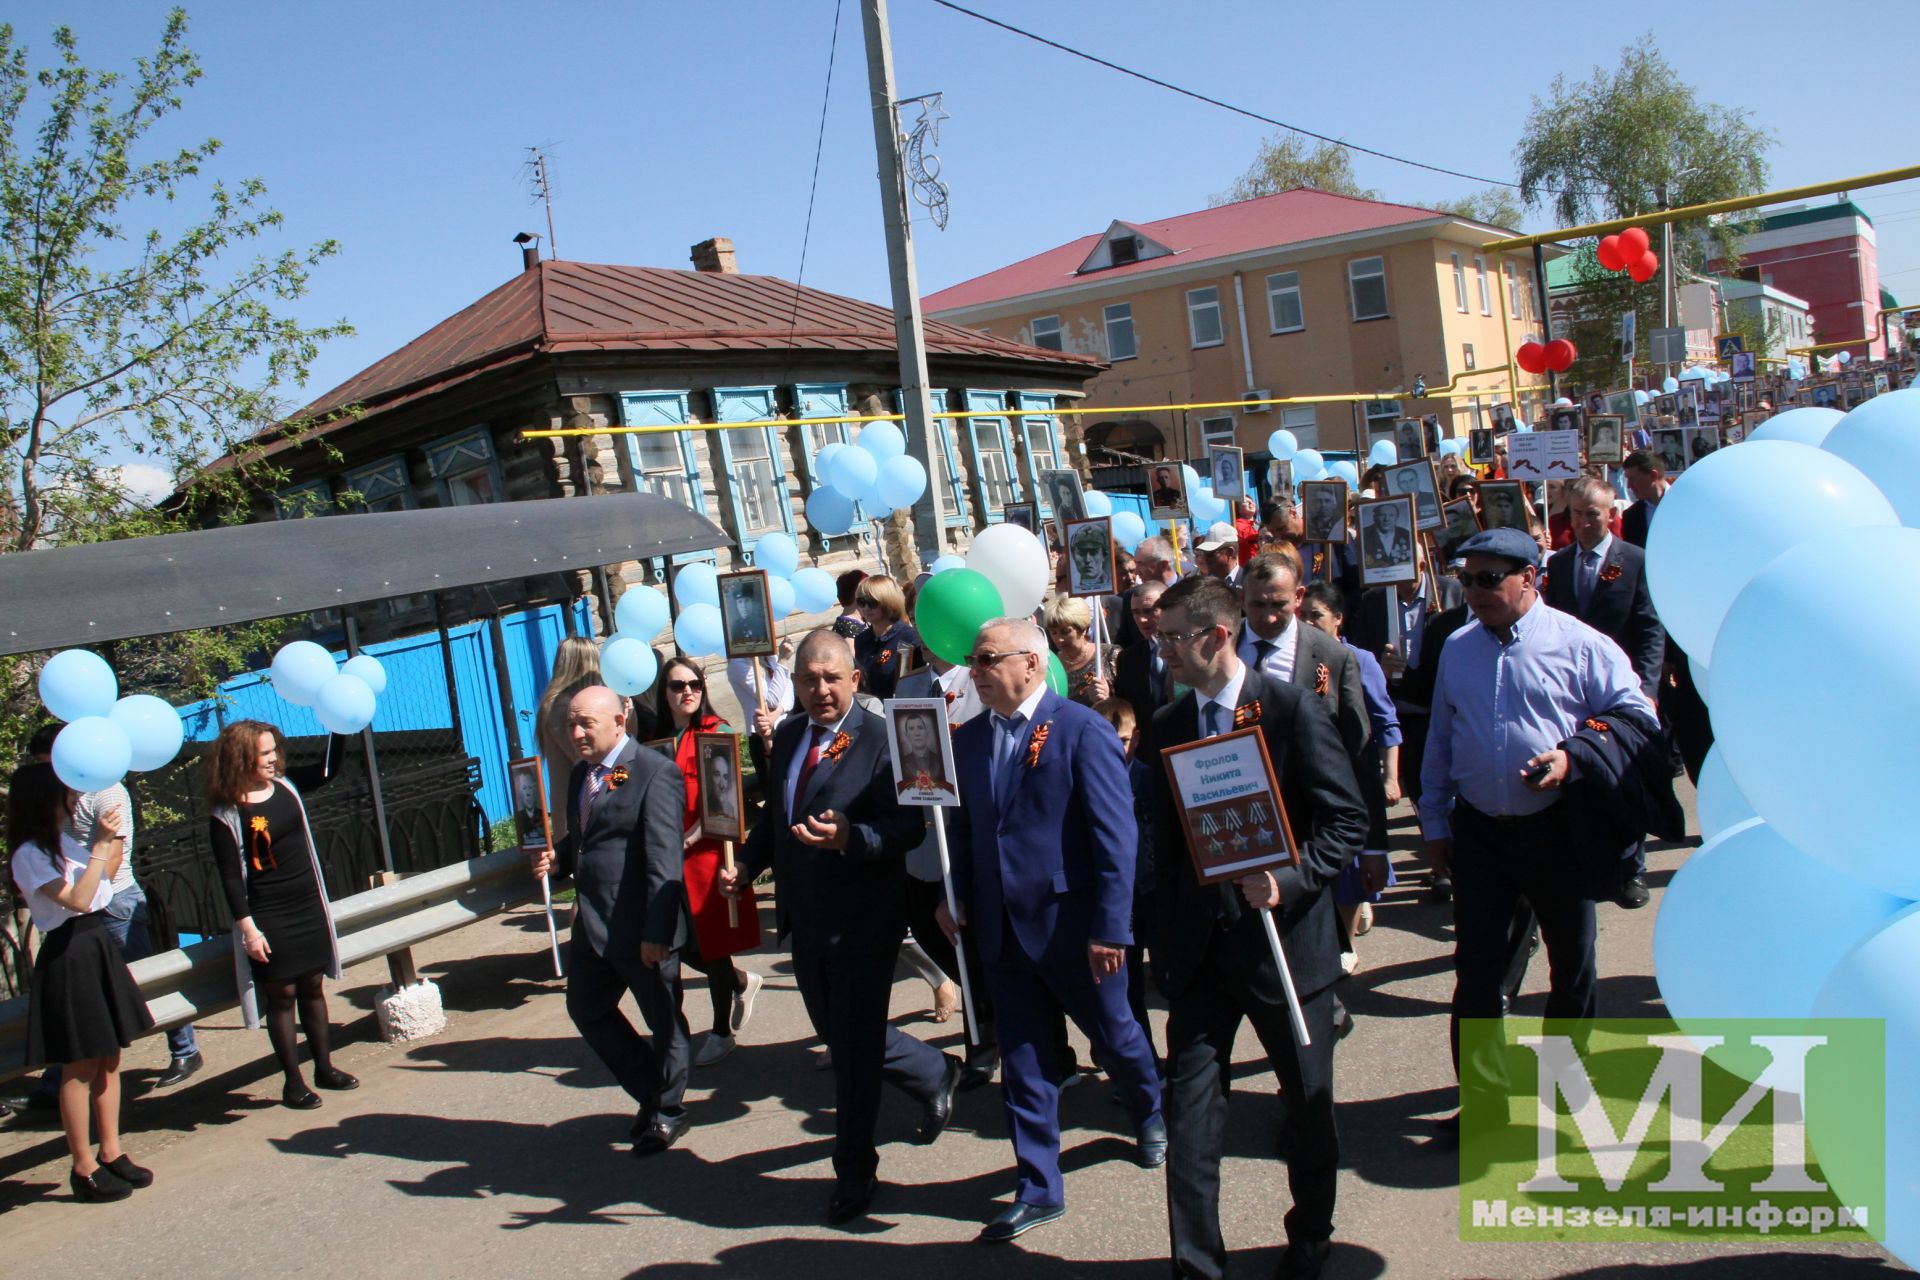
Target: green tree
(1495,206)
(1286,161)
(122,344)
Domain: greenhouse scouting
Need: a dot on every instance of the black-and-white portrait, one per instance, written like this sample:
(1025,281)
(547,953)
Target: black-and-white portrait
(1480,446)
(717,760)
(1670,450)
(1026,515)
(1742,366)
(1090,557)
(922,748)
(1226,465)
(1462,523)
(1407,439)
(1323,511)
(1064,493)
(1387,541)
(1503,505)
(1686,401)
(746,614)
(1701,441)
(529,803)
(1415,480)
(1604,438)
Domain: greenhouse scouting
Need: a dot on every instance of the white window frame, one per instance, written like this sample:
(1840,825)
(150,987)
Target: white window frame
(993,456)
(1355,276)
(1196,308)
(1513,290)
(1533,292)
(1279,285)
(1221,430)
(1459,284)
(1051,330)
(1480,275)
(1304,421)
(1118,317)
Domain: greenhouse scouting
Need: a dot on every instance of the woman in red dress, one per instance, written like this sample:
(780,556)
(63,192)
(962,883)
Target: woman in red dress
(684,707)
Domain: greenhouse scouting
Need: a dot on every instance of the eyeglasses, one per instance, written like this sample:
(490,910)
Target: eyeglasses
(1487,579)
(1181,637)
(685,686)
(981,661)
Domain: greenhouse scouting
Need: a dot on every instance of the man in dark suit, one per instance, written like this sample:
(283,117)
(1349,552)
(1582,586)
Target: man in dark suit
(837,841)
(1274,642)
(1153,559)
(1212,957)
(630,913)
(1683,713)
(1044,847)
(1140,676)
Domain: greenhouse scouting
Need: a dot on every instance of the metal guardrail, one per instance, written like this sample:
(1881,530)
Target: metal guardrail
(192,982)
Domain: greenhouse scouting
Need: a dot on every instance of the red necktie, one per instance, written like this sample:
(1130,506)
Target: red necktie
(814,733)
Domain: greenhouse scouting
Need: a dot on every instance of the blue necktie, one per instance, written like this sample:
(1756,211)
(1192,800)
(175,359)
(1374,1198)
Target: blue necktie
(1211,716)
(1008,728)
(1584,581)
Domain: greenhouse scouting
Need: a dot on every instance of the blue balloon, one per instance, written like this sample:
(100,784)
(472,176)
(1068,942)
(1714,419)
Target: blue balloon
(642,612)
(1344,470)
(697,583)
(777,553)
(1641,397)
(698,632)
(1282,445)
(824,459)
(153,730)
(299,669)
(1882,438)
(780,595)
(1193,478)
(1669,385)
(91,754)
(884,440)
(814,590)
(1719,804)
(1710,955)
(1808,425)
(1823,751)
(1308,465)
(947,562)
(1384,453)
(344,704)
(368,668)
(77,684)
(852,472)
(1205,507)
(902,480)
(1720,523)
(1129,530)
(627,665)
(1694,373)
(1098,504)
(830,512)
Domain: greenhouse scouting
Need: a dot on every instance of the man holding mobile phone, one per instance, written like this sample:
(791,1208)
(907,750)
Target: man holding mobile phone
(1513,687)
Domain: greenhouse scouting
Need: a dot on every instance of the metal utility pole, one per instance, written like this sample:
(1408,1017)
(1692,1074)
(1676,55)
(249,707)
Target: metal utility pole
(900,270)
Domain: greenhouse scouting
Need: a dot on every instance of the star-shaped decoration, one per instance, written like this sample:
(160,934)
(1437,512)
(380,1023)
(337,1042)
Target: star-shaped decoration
(1215,848)
(1264,836)
(1239,841)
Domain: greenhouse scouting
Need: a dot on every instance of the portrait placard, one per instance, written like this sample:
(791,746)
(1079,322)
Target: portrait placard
(1565,419)
(1701,441)
(1503,505)
(746,614)
(1622,405)
(1462,523)
(1417,480)
(1686,402)
(1544,455)
(1279,479)
(1090,557)
(1409,440)
(1742,366)
(717,764)
(1387,542)
(1670,450)
(665,746)
(531,827)
(1480,446)
(1227,465)
(923,772)
(1230,805)
(1605,434)
(1167,491)
(1323,511)
(1026,515)
(1064,493)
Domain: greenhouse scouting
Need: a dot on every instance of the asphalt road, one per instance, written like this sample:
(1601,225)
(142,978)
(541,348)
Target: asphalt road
(499,1148)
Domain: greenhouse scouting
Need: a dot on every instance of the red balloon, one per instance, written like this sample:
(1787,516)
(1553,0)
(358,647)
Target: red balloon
(1644,268)
(1531,357)
(1608,252)
(1560,355)
(1633,243)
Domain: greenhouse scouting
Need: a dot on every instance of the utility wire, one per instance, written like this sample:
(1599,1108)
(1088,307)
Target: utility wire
(819,145)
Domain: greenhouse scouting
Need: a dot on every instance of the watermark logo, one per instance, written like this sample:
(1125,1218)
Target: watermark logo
(1637,1130)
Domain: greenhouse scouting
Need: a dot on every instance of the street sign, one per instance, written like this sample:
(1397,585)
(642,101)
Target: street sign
(1728,345)
(1669,346)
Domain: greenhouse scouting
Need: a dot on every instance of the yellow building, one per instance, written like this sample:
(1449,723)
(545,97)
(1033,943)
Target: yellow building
(1302,293)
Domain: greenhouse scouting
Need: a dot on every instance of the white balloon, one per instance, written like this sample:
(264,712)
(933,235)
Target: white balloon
(1015,562)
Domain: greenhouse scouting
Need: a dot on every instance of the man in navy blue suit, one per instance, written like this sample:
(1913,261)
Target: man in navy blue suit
(1043,864)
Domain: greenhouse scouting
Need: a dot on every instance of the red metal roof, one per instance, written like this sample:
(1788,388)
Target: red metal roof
(1246,226)
(580,306)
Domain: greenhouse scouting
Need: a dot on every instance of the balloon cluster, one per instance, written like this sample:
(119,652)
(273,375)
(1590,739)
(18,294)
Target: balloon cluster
(1813,713)
(627,661)
(1005,574)
(343,700)
(873,472)
(1538,357)
(1631,251)
(106,734)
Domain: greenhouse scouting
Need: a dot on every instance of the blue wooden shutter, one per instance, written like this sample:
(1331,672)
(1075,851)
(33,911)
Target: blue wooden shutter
(942,429)
(750,404)
(822,400)
(982,401)
(659,409)
(1046,430)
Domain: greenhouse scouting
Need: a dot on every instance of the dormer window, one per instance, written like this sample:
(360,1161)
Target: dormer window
(1123,250)
(1122,244)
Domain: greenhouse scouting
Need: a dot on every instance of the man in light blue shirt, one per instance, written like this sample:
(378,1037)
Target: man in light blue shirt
(1512,687)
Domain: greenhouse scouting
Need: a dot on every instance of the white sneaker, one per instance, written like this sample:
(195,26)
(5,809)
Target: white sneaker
(716,1048)
(743,1000)
(1363,919)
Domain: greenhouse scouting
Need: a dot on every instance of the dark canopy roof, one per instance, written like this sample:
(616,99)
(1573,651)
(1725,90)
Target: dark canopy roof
(102,591)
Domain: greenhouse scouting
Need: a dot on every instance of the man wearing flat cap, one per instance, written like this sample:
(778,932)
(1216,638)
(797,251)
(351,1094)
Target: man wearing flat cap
(1514,687)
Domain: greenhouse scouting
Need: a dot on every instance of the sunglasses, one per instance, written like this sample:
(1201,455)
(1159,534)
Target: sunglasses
(1488,579)
(685,686)
(982,661)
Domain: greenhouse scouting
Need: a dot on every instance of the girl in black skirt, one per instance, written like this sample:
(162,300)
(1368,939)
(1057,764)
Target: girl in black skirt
(282,921)
(84,1007)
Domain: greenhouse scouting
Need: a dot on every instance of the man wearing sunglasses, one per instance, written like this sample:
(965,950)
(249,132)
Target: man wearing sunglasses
(1510,694)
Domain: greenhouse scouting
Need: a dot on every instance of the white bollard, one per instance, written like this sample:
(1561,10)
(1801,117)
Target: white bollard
(411,1013)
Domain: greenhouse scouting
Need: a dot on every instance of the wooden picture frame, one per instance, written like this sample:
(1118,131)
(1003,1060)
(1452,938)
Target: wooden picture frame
(716,765)
(1425,490)
(1279,480)
(1024,515)
(1409,431)
(1480,446)
(1090,562)
(1388,541)
(1241,824)
(746,614)
(1566,419)
(1606,438)
(1323,512)
(1065,492)
(1227,462)
(1503,505)
(1669,450)
(532,824)
(1462,522)
(1167,491)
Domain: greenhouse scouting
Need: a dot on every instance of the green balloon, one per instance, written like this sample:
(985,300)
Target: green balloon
(951,609)
(1056,675)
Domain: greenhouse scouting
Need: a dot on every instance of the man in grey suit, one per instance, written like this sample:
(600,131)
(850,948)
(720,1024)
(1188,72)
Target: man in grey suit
(1273,642)
(630,914)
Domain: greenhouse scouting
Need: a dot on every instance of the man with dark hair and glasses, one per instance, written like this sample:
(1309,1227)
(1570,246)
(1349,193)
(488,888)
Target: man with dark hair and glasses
(1513,688)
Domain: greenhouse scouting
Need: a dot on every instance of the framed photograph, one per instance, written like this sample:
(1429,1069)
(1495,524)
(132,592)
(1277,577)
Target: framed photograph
(923,772)
(1503,505)
(1024,514)
(1227,465)
(1323,511)
(1167,492)
(1409,439)
(1279,479)
(1825,395)
(1462,523)
(1666,408)
(1480,446)
(1605,436)
(1622,405)
(1687,405)
(1564,419)
(1742,366)
(1064,493)
(1230,805)
(1090,557)
(665,746)
(1387,540)
(530,825)
(1881,384)
(1430,434)
(1670,450)
(746,614)
(1416,480)
(1502,419)
(1596,402)
(1701,441)
(1710,405)
(1733,431)
(717,764)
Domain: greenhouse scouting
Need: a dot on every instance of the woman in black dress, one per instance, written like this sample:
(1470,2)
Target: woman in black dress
(281,918)
(84,1008)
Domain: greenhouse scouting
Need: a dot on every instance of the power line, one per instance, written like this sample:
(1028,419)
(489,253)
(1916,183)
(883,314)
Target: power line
(1226,106)
(819,145)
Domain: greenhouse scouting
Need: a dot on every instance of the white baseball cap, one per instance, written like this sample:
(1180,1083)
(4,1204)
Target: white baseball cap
(1221,534)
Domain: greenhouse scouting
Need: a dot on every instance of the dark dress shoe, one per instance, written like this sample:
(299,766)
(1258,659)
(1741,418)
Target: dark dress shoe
(1151,1152)
(1633,894)
(1018,1219)
(940,1105)
(1440,889)
(850,1202)
(661,1134)
(179,1069)
(642,1121)
(328,1078)
(979,1070)
(300,1098)
(128,1172)
(101,1185)
(1304,1261)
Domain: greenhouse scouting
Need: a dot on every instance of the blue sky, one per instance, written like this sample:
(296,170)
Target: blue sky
(400,128)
